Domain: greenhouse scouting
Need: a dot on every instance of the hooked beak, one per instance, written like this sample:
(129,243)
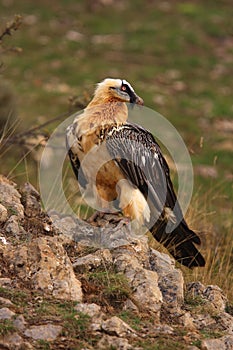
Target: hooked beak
(135,99)
(139,101)
(130,96)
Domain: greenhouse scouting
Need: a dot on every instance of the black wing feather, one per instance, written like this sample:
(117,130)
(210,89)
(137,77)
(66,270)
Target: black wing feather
(139,157)
(74,160)
(130,147)
(77,169)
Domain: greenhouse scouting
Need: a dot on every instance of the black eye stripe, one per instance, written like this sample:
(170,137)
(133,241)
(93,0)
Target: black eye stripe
(125,87)
(129,90)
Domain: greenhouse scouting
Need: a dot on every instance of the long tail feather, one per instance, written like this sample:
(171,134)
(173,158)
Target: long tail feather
(180,243)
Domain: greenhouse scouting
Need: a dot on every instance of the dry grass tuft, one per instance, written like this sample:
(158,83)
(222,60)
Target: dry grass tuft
(216,230)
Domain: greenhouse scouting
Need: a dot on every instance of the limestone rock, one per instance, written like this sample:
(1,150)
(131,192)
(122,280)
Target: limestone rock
(5,301)
(225,322)
(12,226)
(88,309)
(147,292)
(30,200)
(44,263)
(170,279)
(6,314)
(5,282)
(66,225)
(224,343)
(195,288)
(156,286)
(3,240)
(130,306)
(202,321)
(163,329)
(14,342)
(216,297)
(3,214)
(96,322)
(228,342)
(213,295)
(92,261)
(187,321)
(144,283)
(46,332)
(20,323)
(115,326)
(10,197)
(110,234)
(108,342)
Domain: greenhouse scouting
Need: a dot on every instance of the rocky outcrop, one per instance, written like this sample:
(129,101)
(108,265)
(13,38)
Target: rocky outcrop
(45,265)
(57,287)
(47,332)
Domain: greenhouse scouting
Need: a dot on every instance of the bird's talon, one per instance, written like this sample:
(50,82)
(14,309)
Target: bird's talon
(95,217)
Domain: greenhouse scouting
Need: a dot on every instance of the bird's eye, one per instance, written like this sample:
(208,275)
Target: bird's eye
(123,88)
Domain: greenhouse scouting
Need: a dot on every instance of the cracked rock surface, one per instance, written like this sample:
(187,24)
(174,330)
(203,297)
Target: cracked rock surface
(68,285)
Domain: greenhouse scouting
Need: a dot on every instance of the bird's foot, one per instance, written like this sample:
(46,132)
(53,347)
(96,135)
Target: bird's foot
(119,219)
(102,218)
(98,215)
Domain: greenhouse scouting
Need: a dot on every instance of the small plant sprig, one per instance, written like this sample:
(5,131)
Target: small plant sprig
(7,30)
(11,26)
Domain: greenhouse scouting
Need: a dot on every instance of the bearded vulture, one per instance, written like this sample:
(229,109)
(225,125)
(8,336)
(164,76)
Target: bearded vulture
(130,169)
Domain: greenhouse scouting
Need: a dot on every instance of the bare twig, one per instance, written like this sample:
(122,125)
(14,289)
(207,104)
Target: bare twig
(11,26)
(25,138)
(41,126)
(30,139)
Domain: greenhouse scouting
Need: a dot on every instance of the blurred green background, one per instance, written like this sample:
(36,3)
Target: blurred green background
(178,55)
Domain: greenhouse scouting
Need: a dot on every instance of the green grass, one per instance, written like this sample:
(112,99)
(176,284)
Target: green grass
(211,334)
(229,308)
(132,319)
(6,327)
(16,296)
(76,325)
(161,344)
(194,301)
(112,288)
(43,344)
(12,211)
